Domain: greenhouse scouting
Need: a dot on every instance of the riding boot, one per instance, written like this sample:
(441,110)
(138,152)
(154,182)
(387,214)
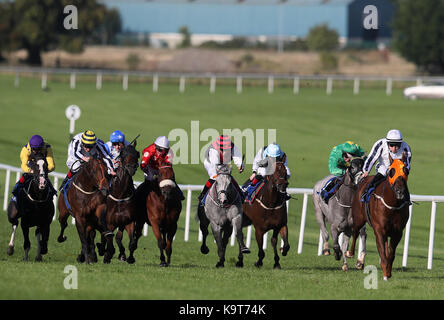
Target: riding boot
(19,185)
(68,176)
(377,179)
(207,186)
(330,188)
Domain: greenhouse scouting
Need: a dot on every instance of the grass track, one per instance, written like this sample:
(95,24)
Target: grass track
(308,125)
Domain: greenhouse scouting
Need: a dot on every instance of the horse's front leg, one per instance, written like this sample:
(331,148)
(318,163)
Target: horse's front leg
(38,237)
(260,244)
(119,237)
(361,258)
(160,242)
(217,233)
(344,247)
(237,225)
(274,240)
(382,244)
(203,226)
(132,246)
(81,230)
(10,250)
(284,235)
(335,237)
(63,219)
(26,242)
(169,243)
(13,219)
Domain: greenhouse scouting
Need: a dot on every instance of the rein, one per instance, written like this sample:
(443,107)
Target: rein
(217,203)
(387,206)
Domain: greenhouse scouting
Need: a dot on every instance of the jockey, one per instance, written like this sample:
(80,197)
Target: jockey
(260,161)
(156,153)
(81,148)
(115,144)
(221,151)
(392,145)
(338,162)
(35,145)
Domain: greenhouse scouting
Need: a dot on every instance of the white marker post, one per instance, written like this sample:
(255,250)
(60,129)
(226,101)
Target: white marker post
(72,113)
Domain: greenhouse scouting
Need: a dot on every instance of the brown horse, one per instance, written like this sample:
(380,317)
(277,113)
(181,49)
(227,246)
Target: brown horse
(160,208)
(388,212)
(84,199)
(121,206)
(269,212)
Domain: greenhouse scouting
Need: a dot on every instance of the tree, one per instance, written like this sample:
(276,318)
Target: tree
(38,25)
(112,25)
(322,38)
(186,37)
(419,33)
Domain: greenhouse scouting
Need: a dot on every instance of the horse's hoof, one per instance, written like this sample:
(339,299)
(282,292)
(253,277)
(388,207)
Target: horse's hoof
(285,250)
(239,264)
(385,278)
(61,239)
(80,258)
(338,255)
(10,250)
(359,265)
(326,252)
(245,250)
(43,249)
(345,267)
(258,264)
(204,250)
(219,265)
(38,259)
(101,248)
(277,266)
(131,260)
(164,264)
(348,254)
(122,257)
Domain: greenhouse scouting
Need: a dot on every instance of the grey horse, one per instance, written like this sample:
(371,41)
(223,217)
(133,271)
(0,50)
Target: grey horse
(338,214)
(223,210)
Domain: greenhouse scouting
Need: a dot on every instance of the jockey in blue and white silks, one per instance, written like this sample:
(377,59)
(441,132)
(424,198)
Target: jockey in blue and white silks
(392,145)
(260,163)
(115,144)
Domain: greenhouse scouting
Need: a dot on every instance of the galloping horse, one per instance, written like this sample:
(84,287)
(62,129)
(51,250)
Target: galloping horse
(84,199)
(268,211)
(121,206)
(223,209)
(387,212)
(36,208)
(160,208)
(338,214)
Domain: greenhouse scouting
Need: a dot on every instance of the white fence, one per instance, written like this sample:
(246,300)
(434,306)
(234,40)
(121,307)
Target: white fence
(212,77)
(303,191)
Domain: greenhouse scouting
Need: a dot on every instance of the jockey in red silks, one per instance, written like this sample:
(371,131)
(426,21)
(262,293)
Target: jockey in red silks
(221,151)
(157,153)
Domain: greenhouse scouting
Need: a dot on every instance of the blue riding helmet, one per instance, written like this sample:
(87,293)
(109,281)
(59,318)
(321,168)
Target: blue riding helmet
(273,150)
(117,136)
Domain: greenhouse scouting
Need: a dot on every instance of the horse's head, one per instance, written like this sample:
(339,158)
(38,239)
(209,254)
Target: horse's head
(279,176)
(397,177)
(166,179)
(39,167)
(129,158)
(223,181)
(355,169)
(97,169)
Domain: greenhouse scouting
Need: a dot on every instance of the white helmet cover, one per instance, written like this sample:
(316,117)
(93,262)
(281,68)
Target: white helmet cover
(394,136)
(162,142)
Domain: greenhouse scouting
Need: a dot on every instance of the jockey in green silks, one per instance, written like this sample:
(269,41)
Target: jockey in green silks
(338,162)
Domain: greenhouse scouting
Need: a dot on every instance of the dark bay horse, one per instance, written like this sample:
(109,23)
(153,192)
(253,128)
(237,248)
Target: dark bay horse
(338,213)
(85,201)
(387,214)
(121,206)
(160,207)
(268,211)
(36,208)
(223,210)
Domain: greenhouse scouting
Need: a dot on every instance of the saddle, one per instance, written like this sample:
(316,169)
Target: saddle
(253,190)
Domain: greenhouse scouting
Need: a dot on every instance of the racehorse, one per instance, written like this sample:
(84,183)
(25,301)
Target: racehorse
(160,208)
(338,214)
(223,209)
(268,211)
(35,208)
(387,212)
(121,206)
(84,199)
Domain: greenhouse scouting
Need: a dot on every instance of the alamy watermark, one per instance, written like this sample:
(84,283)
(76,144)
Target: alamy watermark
(71,280)
(71,21)
(371,281)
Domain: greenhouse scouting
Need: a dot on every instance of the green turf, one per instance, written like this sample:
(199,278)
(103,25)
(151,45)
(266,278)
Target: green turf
(308,125)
